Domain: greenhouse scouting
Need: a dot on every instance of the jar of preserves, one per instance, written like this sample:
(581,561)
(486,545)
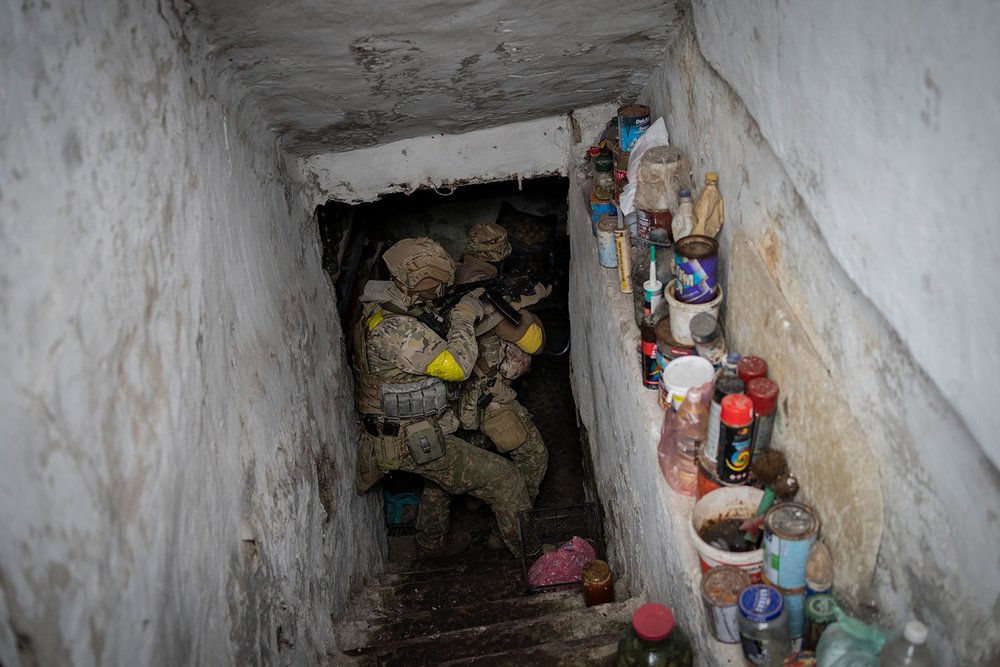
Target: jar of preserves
(598,584)
(652,640)
(764,626)
(604,177)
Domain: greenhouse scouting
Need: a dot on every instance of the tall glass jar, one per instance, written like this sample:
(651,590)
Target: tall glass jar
(763,624)
(652,640)
(604,177)
(598,584)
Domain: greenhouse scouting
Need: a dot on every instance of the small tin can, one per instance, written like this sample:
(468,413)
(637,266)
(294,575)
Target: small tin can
(649,223)
(795,600)
(599,208)
(790,530)
(667,347)
(607,254)
(720,592)
(696,268)
(633,120)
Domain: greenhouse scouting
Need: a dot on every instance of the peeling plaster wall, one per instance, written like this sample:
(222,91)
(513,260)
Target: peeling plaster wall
(176,483)
(908,493)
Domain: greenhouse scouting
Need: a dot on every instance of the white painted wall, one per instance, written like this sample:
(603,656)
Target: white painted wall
(173,399)
(532,148)
(921,535)
(886,117)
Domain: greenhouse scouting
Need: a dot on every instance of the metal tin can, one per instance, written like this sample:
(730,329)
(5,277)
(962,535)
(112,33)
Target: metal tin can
(599,208)
(633,120)
(790,530)
(724,385)
(735,433)
(720,592)
(667,347)
(607,255)
(696,268)
(647,222)
(795,600)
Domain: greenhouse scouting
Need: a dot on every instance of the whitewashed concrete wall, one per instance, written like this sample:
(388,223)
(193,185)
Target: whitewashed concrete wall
(518,150)
(909,494)
(176,474)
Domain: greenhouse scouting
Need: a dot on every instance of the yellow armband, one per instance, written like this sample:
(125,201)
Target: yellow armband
(445,367)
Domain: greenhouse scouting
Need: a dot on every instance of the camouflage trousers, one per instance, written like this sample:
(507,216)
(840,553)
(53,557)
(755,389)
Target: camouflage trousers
(467,469)
(532,458)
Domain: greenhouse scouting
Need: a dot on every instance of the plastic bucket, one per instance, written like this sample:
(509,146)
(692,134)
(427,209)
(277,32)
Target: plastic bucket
(680,375)
(682,313)
(729,502)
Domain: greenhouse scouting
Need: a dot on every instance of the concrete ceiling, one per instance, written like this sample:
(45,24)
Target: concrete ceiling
(335,76)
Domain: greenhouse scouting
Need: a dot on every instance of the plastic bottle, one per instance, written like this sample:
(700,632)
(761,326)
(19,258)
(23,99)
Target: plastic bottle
(709,209)
(652,640)
(685,220)
(908,649)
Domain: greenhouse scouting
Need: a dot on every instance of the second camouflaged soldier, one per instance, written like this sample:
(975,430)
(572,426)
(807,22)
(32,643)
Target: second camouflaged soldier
(401,366)
(487,402)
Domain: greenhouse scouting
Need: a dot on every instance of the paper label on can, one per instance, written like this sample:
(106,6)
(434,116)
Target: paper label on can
(734,453)
(725,624)
(696,279)
(785,560)
(714,424)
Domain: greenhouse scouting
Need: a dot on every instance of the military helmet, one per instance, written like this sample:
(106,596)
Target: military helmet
(488,242)
(419,263)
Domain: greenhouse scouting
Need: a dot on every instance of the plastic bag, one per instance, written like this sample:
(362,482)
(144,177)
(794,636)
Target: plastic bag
(682,432)
(849,643)
(662,173)
(656,135)
(562,566)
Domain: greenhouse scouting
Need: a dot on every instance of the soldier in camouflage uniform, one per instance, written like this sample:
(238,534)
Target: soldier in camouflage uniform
(401,369)
(487,402)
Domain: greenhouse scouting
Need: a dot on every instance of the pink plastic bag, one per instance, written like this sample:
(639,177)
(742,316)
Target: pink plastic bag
(562,566)
(681,437)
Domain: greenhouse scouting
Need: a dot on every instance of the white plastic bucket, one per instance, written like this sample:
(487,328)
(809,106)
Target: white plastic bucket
(726,503)
(682,313)
(680,375)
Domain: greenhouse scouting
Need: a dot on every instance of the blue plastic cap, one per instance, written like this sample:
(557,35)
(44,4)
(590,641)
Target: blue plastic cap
(760,603)
(684,193)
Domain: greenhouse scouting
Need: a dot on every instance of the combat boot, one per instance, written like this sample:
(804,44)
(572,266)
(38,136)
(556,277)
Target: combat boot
(453,545)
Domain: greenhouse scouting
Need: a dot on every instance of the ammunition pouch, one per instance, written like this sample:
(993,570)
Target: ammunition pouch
(413,400)
(505,427)
(425,441)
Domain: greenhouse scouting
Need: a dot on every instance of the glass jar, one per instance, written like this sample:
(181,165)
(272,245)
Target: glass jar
(821,611)
(598,584)
(764,626)
(652,640)
(708,339)
(604,177)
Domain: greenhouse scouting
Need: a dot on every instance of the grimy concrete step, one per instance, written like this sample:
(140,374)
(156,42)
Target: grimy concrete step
(488,640)
(356,634)
(471,567)
(599,651)
(433,564)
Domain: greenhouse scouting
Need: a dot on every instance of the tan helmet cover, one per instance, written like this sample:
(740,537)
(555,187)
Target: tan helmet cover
(488,241)
(412,261)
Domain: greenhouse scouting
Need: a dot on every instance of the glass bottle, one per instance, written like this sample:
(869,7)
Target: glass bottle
(598,584)
(764,626)
(604,178)
(908,649)
(652,640)
(820,612)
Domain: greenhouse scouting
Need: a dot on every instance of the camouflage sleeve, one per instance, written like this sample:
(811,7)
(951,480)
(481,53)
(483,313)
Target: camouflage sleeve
(407,343)
(462,338)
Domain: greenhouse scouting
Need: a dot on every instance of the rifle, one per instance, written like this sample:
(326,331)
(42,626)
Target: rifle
(499,291)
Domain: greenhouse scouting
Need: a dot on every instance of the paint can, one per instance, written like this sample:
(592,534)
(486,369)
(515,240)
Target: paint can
(696,266)
(621,168)
(633,120)
(623,249)
(647,222)
(667,348)
(606,251)
(720,592)
(790,530)
(795,606)
(682,313)
(681,375)
(735,433)
(600,208)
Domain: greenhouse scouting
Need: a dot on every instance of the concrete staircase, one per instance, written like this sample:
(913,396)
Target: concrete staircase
(474,610)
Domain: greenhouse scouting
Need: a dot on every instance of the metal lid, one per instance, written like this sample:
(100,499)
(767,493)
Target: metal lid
(596,572)
(791,520)
(722,585)
(821,608)
(727,384)
(653,622)
(760,603)
(704,328)
(696,246)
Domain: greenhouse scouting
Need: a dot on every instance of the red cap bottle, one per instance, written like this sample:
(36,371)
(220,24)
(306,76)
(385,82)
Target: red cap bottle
(737,410)
(751,367)
(764,394)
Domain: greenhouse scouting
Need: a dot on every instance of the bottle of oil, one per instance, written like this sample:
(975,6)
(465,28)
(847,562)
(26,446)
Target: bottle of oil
(709,209)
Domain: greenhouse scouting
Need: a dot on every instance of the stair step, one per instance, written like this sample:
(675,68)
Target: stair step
(437,564)
(487,640)
(598,651)
(468,568)
(361,633)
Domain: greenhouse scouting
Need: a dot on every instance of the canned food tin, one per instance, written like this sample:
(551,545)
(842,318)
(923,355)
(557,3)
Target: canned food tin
(607,254)
(720,592)
(790,530)
(696,268)
(599,208)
